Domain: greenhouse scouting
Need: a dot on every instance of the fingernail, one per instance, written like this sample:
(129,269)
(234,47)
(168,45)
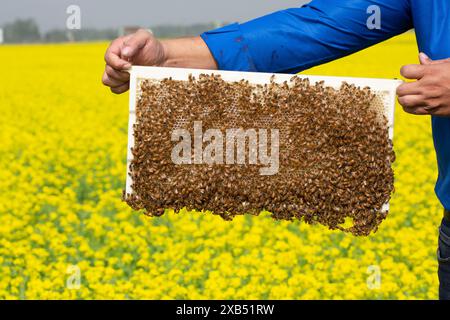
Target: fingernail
(127,66)
(423,56)
(126,51)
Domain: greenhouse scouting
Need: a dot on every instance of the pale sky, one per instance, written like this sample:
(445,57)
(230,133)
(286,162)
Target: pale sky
(112,13)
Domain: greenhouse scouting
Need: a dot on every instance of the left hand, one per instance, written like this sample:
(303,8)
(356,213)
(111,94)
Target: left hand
(430,94)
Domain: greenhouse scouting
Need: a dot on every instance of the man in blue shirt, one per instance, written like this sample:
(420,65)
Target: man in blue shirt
(295,39)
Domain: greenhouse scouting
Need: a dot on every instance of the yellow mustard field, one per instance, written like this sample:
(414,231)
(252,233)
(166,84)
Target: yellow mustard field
(65,233)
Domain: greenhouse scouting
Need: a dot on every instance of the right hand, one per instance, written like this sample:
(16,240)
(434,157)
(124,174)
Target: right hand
(140,48)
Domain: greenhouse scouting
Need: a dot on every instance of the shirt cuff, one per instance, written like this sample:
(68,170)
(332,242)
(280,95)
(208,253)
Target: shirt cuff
(229,48)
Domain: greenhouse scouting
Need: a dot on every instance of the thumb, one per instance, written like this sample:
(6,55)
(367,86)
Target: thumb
(136,42)
(424,59)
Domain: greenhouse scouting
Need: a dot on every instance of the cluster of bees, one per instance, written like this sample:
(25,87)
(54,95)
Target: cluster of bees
(335,154)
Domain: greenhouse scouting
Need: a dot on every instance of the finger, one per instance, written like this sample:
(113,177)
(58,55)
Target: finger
(113,83)
(424,59)
(117,75)
(431,92)
(412,101)
(113,58)
(409,88)
(135,43)
(441,61)
(439,111)
(433,104)
(413,71)
(420,110)
(121,89)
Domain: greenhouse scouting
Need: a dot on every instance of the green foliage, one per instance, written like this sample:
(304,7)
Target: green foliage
(22,31)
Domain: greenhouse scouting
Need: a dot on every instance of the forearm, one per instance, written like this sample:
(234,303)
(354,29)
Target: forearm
(188,53)
(295,39)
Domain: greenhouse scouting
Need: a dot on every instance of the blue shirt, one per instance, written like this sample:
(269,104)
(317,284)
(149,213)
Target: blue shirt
(293,40)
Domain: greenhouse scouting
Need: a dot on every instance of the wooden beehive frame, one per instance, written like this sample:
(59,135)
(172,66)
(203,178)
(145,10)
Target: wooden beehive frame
(384,89)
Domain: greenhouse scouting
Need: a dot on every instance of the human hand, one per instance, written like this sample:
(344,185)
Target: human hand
(430,94)
(140,48)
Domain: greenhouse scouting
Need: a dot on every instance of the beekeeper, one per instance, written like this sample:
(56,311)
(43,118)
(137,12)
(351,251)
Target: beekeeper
(296,39)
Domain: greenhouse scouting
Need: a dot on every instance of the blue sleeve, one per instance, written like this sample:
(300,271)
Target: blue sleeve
(295,39)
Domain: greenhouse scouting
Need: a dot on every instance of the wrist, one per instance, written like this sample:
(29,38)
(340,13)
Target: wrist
(165,48)
(187,53)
